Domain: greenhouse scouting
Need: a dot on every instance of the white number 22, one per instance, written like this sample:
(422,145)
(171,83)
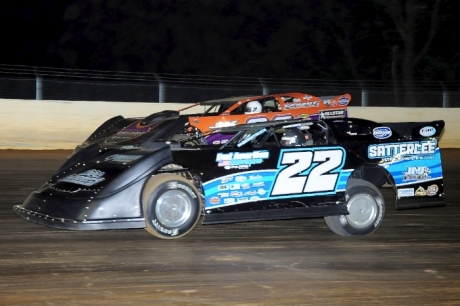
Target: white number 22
(308,172)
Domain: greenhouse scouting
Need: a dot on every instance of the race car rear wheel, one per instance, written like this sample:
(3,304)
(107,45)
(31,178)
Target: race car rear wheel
(172,206)
(366,209)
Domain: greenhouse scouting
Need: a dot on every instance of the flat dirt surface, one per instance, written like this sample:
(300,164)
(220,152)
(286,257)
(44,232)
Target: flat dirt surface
(412,259)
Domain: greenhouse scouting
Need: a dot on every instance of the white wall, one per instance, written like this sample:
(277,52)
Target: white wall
(48,125)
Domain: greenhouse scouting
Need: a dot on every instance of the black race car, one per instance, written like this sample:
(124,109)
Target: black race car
(330,168)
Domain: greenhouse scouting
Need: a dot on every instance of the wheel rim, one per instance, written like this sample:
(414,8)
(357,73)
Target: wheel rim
(362,210)
(173,208)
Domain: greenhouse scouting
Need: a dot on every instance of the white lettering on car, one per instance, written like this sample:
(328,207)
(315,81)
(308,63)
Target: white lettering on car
(308,171)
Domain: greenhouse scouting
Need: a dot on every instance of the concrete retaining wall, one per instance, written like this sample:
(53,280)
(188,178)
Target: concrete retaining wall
(49,125)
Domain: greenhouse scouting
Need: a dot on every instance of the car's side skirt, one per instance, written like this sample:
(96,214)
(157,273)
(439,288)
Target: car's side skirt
(417,203)
(276,214)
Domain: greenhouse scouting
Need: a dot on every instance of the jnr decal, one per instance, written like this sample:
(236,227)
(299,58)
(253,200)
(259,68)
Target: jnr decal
(314,170)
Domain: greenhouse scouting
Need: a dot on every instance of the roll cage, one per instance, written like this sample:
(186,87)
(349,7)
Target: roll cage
(262,134)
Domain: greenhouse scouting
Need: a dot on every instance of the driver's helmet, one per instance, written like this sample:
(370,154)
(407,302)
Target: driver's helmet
(253,107)
(293,138)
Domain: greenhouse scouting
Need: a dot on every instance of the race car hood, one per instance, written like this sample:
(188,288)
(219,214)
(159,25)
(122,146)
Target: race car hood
(98,189)
(105,173)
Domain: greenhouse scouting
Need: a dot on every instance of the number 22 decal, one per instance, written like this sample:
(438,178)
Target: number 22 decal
(312,171)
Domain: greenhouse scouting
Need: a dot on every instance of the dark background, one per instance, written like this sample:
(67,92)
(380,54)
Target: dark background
(327,39)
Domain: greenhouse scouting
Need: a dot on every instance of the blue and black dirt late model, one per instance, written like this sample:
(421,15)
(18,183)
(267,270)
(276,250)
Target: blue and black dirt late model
(330,168)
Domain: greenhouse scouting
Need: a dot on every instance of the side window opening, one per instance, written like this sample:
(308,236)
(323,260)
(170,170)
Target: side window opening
(263,105)
(352,128)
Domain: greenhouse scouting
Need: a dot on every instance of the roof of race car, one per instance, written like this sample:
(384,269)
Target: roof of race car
(226,100)
(240,98)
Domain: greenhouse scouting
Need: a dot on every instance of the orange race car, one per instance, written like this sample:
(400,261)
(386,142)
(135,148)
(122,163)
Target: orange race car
(201,118)
(244,110)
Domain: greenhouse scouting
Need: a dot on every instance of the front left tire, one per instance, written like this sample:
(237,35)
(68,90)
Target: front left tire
(172,206)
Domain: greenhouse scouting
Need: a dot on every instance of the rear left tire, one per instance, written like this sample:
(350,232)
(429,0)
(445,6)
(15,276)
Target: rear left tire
(366,208)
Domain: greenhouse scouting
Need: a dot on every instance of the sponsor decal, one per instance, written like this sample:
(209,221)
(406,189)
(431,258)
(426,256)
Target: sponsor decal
(214,200)
(243,199)
(236,194)
(235,190)
(258,184)
(420,192)
(222,187)
(343,101)
(229,200)
(261,191)
(122,158)
(405,192)
(87,178)
(246,159)
(416,173)
(254,198)
(226,179)
(223,124)
(327,102)
(234,186)
(432,190)
(294,105)
(382,132)
(240,179)
(305,116)
(389,150)
(427,131)
(337,113)
(171,232)
(241,167)
(282,117)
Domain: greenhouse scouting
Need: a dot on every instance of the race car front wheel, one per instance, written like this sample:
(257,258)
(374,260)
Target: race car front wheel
(171,205)
(366,209)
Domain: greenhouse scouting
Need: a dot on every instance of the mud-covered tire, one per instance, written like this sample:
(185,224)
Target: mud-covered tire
(172,206)
(366,208)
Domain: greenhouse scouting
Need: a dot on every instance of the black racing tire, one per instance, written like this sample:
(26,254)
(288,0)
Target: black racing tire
(366,208)
(172,206)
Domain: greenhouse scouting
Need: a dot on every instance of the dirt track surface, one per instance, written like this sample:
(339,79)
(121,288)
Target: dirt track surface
(413,259)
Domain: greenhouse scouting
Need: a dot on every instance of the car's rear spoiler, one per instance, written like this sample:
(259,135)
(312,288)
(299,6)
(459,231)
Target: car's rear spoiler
(417,130)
